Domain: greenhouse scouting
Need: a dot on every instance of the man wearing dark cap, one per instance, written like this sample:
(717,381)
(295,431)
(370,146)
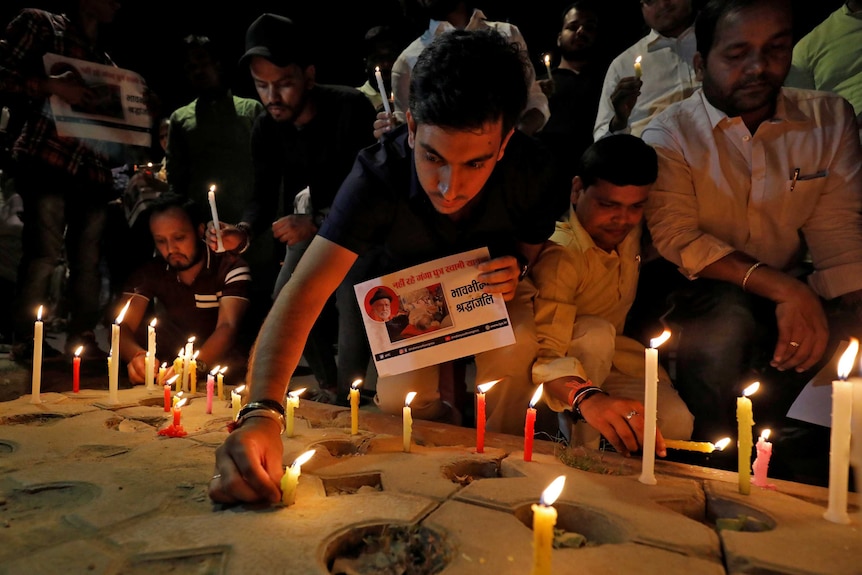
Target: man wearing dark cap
(307,139)
(381,305)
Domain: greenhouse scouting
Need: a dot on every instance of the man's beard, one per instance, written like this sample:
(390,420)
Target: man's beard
(183,267)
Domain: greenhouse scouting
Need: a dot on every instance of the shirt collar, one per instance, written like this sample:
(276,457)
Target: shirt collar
(656,41)
(786,110)
(477,21)
(583,240)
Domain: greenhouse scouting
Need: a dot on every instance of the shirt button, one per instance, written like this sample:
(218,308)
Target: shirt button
(746,138)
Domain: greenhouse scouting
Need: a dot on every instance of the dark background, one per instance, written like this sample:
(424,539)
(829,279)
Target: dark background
(145,35)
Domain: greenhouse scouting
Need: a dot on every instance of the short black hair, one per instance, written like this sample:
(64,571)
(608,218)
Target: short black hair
(465,79)
(621,159)
(711,14)
(169,200)
(583,5)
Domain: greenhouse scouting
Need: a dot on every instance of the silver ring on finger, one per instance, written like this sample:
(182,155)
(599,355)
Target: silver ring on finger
(794,343)
(631,414)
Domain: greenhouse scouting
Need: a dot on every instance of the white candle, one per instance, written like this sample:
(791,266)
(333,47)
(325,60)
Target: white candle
(382,89)
(114,359)
(187,358)
(36,382)
(291,403)
(839,439)
(216,225)
(407,421)
(856,432)
(544,519)
(547,59)
(290,479)
(149,364)
(638,71)
(650,401)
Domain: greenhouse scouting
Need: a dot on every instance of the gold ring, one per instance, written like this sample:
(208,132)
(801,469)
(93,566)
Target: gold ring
(216,476)
(794,343)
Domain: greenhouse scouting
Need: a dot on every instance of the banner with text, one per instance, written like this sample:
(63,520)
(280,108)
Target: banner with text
(116,113)
(432,313)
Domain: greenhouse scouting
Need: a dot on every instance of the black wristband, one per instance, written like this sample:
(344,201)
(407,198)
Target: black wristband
(270,404)
(581,396)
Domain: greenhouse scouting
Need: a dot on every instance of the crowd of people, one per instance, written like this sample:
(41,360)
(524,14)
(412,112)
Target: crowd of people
(706,180)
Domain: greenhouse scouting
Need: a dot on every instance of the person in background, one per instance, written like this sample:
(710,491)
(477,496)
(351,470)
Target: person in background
(65,182)
(585,279)
(629,100)
(445,16)
(456,176)
(190,290)
(303,147)
(381,49)
(758,204)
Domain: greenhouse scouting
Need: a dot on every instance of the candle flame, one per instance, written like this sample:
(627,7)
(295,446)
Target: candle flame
(537,395)
(297,392)
(657,341)
(377,69)
(212,188)
(751,389)
(848,358)
(409,398)
(39,314)
(764,435)
(165,364)
(552,491)
(153,323)
(486,386)
(239,389)
(149,164)
(123,313)
(79,350)
(356,383)
(182,352)
(222,370)
(302,459)
(547,58)
(195,356)
(181,402)
(191,339)
(172,380)
(638,60)
(722,443)
(214,370)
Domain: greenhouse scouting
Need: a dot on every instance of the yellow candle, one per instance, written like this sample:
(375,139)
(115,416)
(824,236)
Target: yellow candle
(178,369)
(638,71)
(547,59)
(544,519)
(745,438)
(163,370)
(354,406)
(291,403)
(36,382)
(290,479)
(650,400)
(236,400)
(407,421)
(839,437)
(149,363)
(193,372)
(220,382)
(177,397)
(700,446)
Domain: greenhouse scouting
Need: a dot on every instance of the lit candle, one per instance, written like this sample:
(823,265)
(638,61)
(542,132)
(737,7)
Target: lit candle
(168,393)
(36,382)
(856,432)
(149,362)
(700,446)
(210,388)
(407,421)
(163,371)
(76,370)
(530,424)
(235,400)
(839,438)
(220,383)
(114,359)
(354,406)
(744,439)
(480,414)
(650,399)
(177,398)
(187,358)
(544,519)
(193,372)
(547,59)
(178,411)
(761,462)
(290,479)
(178,369)
(382,90)
(638,71)
(216,225)
(291,403)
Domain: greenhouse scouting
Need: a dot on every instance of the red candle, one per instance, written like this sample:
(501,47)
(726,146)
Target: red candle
(178,412)
(480,415)
(167,397)
(529,425)
(76,370)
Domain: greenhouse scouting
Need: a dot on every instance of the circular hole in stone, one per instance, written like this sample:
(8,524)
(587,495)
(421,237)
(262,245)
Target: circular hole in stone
(33,419)
(337,448)
(736,516)
(579,526)
(465,471)
(7,447)
(41,498)
(388,548)
(594,462)
(152,401)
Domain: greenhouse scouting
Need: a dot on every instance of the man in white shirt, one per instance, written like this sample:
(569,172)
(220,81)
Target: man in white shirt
(629,100)
(759,201)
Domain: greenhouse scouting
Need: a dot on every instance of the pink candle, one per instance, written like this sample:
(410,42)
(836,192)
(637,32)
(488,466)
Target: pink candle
(530,423)
(210,387)
(76,370)
(480,415)
(761,462)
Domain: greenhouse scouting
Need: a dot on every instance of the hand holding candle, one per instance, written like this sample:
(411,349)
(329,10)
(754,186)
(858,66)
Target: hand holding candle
(761,462)
(36,381)
(382,88)
(407,421)
(744,440)
(530,424)
(291,403)
(547,59)
(290,479)
(638,71)
(481,390)
(839,437)
(354,406)
(544,519)
(216,224)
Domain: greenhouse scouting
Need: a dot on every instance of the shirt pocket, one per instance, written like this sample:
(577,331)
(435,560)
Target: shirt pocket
(801,195)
